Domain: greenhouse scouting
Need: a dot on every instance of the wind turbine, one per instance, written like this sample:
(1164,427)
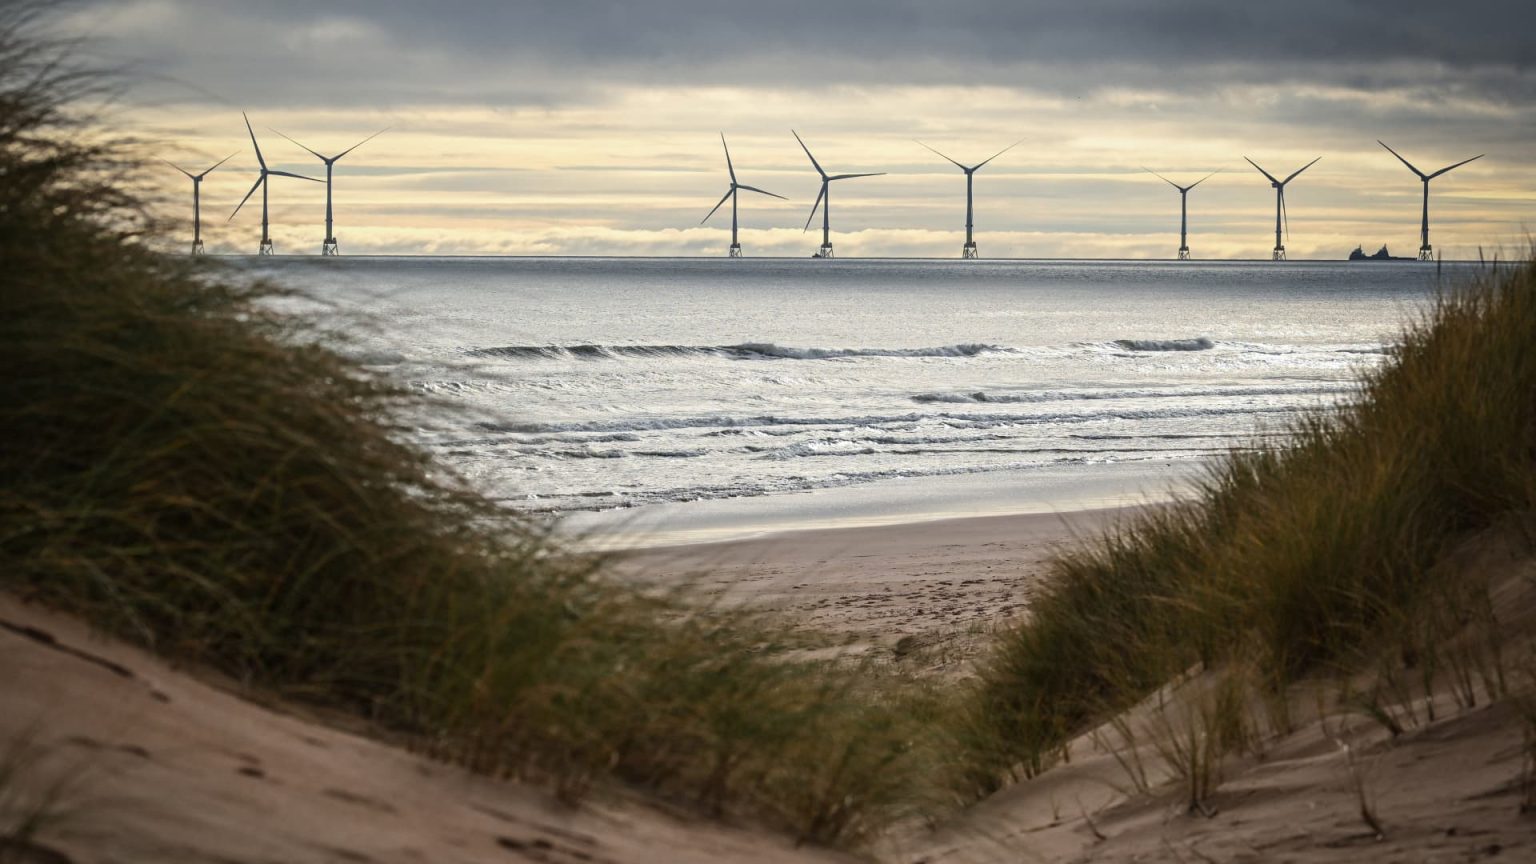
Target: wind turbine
(197,200)
(1183,207)
(1280,214)
(266,236)
(1425,253)
(328,246)
(731,194)
(969,249)
(825,195)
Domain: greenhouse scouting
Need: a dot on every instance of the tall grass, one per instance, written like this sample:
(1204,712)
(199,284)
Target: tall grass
(1302,555)
(192,470)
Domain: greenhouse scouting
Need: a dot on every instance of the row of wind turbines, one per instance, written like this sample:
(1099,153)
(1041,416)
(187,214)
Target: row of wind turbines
(824,200)
(328,246)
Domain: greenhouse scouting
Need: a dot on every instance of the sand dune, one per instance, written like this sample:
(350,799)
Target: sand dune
(156,763)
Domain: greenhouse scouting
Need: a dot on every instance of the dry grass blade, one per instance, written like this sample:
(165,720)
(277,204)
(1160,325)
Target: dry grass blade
(1306,554)
(192,469)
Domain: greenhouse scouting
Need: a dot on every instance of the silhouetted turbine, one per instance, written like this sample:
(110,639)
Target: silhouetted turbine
(266,237)
(969,249)
(735,250)
(1280,215)
(1425,252)
(197,200)
(824,199)
(328,247)
(1183,207)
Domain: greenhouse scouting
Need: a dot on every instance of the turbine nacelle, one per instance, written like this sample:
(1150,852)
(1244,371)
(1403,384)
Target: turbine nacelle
(1426,252)
(329,246)
(262,179)
(1183,254)
(731,194)
(825,251)
(1281,217)
(969,249)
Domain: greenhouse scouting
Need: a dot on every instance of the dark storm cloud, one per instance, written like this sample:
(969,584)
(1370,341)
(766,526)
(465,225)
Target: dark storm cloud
(519,52)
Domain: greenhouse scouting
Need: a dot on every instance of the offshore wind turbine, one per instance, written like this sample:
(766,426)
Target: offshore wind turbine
(824,200)
(266,236)
(1280,214)
(1425,252)
(969,249)
(328,246)
(1183,207)
(197,200)
(730,193)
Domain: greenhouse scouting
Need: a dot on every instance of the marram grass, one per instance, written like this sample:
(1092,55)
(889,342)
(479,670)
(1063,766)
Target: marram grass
(1295,557)
(190,469)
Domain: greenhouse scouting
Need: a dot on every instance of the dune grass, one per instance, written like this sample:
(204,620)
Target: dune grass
(1294,559)
(192,470)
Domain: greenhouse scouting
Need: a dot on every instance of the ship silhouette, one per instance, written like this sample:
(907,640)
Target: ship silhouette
(1381,255)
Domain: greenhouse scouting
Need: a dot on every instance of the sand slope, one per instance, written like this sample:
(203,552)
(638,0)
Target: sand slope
(156,766)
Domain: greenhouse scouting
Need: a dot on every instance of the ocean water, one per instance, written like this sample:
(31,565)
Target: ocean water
(603,385)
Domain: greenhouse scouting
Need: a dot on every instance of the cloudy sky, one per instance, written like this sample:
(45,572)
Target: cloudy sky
(593,126)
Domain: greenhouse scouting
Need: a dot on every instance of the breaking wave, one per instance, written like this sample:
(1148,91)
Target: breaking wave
(743,351)
(1197,344)
(983,397)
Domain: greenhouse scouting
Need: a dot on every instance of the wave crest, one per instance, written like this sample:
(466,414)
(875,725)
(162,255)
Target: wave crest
(1199,343)
(743,351)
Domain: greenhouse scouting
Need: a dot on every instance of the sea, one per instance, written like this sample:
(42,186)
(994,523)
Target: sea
(657,400)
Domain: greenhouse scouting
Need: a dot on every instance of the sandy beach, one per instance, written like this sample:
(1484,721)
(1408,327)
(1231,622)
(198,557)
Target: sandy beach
(929,591)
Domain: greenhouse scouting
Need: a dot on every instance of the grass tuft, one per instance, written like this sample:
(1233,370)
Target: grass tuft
(1306,555)
(188,467)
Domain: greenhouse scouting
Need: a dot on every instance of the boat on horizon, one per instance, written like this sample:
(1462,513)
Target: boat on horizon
(1381,255)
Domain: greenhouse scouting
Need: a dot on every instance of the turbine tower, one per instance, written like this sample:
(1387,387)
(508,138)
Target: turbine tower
(825,195)
(1280,214)
(328,246)
(731,194)
(969,249)
(266,236)
(1183,207)
(197,200)
(1425,252)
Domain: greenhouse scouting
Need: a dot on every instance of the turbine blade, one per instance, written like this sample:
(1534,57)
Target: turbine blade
(808,154)
(179,168)
(1202,180)
(248,128)
(1457,165)
(1162,178)
(760,191)
(295,176)
(1401,159)
(313,153)
(851,176)
(941,155)
(1262,171)
(1285,216)
(717,206)
(216,164)
(1299,170)
(254,186)
(814,206)
(358,144)
(1000,152)
(728,166)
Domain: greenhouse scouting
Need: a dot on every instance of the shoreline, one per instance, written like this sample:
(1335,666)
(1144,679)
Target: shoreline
(894,503)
